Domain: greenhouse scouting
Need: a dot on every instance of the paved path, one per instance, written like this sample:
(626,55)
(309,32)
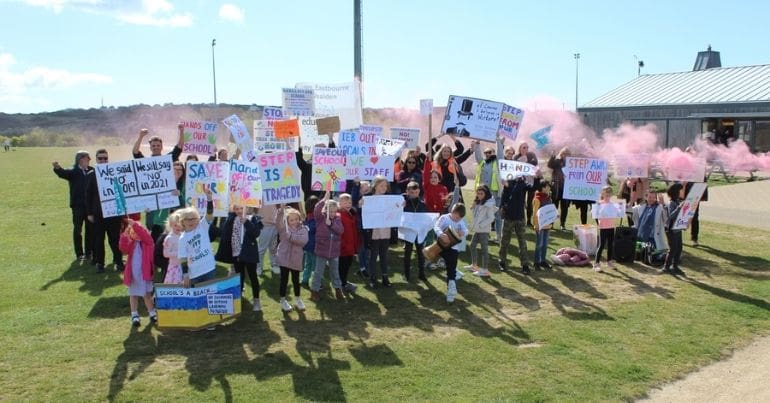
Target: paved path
(746,204)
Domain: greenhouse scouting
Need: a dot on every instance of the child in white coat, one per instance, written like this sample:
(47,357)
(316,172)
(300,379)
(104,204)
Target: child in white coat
(484,210)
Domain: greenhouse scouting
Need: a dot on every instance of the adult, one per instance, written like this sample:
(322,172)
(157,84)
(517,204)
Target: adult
(524,155)
(650,220)
(488,173)
(77,183)
(513,206)
(410,172)
(306,172)
(448,166)
(222,155)
(7,145)
(556,163)
(101,226)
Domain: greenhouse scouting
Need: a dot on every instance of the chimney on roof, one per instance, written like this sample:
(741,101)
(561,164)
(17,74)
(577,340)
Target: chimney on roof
(707,60)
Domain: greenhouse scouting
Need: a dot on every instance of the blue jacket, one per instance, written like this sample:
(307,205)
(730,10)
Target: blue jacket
(310,224)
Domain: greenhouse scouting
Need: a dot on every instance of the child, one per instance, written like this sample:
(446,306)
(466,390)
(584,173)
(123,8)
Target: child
(484,210)
(268,238)
(351,240)
(674,236)
(413,204)
(606,231)
(308,260)
(542,198)
(293,238)
(238,246)
(455,221)
(170,250)
(327,246)
(514,220)
(380,240)
(357,190)
(435,192)
(136,242)
(195,253)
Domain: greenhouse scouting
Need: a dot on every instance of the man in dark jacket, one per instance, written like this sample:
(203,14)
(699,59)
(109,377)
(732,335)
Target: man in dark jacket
(514,214)
(77,183)
(101,226)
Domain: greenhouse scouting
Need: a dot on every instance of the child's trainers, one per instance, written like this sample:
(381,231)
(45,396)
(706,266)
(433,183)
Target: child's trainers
(285,305)
(481,273)
(471,268)
(598,268)
(257,305)
(299,304)
(458,274)
(451,291)
(135,320)
(153,317)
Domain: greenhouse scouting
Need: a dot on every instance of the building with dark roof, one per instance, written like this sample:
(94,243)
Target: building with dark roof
(723,103)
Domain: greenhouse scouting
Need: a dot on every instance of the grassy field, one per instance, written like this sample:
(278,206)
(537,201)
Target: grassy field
(563,335)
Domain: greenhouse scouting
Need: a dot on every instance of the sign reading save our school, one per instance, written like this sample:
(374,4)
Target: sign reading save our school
(133,186)
(207,304)
(213,175)
(280,178)
(584,178)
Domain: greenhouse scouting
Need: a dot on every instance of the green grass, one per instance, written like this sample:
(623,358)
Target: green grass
(566,335)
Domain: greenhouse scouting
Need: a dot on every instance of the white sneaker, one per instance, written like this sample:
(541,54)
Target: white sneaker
(257,305)
(598,268)
(481,273)
(285,305)
(299,304)
(451,291)
(458,274)
(276,270)
(469,267)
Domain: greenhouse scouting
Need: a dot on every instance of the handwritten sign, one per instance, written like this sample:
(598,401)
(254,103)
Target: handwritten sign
(546,215)
(416,226)
(328,169)
(632,165)
(510,122)
(308,133)
(513,169)
(382,211)
(200,137)
(426,107)
(220,304)
(272,113)
(134,186)
(237,129)
(245,184)
(689,205)
(386,146)
(286,128)
(213,175)
(298,102)
(584,178)
(362,159)
(264,130)
(328,125)
(342,100)
(472,117)
(695,171)
(608,210)
(410,136)
(280,178)
(209,303)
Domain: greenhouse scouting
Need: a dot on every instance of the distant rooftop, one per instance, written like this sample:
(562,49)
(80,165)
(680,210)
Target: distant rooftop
(744,84)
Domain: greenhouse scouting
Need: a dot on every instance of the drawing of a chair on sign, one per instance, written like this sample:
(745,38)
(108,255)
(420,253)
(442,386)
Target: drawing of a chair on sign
(465,109)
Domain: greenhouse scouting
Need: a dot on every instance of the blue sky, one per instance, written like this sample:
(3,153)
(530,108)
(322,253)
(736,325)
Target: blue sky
(57,54)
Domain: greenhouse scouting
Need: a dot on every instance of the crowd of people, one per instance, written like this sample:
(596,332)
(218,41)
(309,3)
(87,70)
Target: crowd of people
(325,232)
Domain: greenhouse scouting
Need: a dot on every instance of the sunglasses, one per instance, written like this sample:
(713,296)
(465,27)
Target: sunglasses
(487,152)
(102,158)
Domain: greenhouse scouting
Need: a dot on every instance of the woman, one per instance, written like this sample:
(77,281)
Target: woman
(556,163)
(524,155)
(411,171)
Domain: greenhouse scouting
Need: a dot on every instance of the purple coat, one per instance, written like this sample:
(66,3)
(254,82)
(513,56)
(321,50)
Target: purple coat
(291,247)
(327,237)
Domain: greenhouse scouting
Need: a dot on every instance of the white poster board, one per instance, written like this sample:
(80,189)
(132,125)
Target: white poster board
(472,117)
(137,185)
(386,146)
(411,136)
(513,169)
(546,215)
(510,122)
(426,107)
(416,226)
(298,102)
(343,100)
(584,178)
(383,211)
(608,210)
(632,165)
(689,205)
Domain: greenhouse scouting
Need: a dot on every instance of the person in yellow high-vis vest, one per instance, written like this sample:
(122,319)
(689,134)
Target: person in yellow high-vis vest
(488,173)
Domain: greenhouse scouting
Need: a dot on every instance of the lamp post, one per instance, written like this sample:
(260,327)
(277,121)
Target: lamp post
(577,63)
(639,65)
(214,69)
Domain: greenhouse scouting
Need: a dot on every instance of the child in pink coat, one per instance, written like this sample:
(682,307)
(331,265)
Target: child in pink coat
(137,244)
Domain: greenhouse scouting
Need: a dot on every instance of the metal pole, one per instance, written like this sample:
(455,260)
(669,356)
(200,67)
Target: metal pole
(357,47)
(214,69)
(577,63)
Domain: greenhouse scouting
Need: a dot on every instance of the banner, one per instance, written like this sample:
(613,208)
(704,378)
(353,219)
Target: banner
(584,178)
(209,303)
(382,211)
(416,226)
(280,178)
(695,172)
(409,135)
(472,117)
(386,146)
(200,137)
(298,102)
(510,122)
(238,130)
(608,210)
(632,165)
(689,205)
(329,125)
(426,107)
(362,162)
(328,166)
(214,175)
(285,129)
(513,169)
(245,184)
(135,186)
(547,215)
(342,100)
(272,113)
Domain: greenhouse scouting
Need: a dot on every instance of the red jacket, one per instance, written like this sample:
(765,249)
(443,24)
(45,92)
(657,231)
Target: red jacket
(148,252)
(351,240)
(435,195)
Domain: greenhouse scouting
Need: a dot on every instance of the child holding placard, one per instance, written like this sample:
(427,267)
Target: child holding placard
(293,237)
(380,240)
(137,244)
(606,231)
(542,198)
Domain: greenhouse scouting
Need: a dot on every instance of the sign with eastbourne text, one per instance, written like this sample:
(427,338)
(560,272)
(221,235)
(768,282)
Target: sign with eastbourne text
(632,165)
(510,169)
(361,154)
(245,184)
(137,185)
(209,303)
(386,146)
(689,205)
(237,129)
(584,178)
(426,107)
(200,137)
(510,122)
(280,177)
(410,136)
(472,117)
(547,215)
(213,175)
(298,102)
(342,100)
(382,211)
(328,169)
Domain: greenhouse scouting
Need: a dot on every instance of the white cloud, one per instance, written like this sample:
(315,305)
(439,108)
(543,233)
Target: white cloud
(18,83)
(159,13)
(231,12)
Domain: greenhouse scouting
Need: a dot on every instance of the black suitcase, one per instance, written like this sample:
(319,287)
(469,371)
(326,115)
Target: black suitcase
(625,244)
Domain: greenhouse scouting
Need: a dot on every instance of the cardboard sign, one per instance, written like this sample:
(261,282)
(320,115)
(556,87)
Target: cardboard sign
(386,146)
(416,226)
(237,129)
(272,113)
(510,122)
(209,303)
(382,211)
(286,128)
(689,205)
(410,136)
(280,178)
(134,186)
(547,215)
(328,169)
(362,159)
(342,100)
(513,169)
(328,125)
(426,107)
(695,172)
(245,184)
(632,165)
(200,137)
(472,117)
(214,175)
(584,178)
(608,210)
(298,102)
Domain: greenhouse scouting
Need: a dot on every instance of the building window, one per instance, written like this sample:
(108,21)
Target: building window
(744,131)
(762,136)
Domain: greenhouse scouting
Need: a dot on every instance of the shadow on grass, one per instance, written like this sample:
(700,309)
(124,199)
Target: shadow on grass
(570,307)
(730,295)
(752,264)
(93,283)
(639,286)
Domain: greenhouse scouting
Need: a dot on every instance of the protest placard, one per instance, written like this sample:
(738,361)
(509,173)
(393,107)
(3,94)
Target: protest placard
(272,113)
(213,175)
(386,146)
(608,210)
(382,211)
(541,137)
(546,215)
(328,169)
(342,100)
(285,129)
(237,129)
(416,226)
(426,107)
(510,122)
(328,125)
(199,137)
(584,178)
(632,165)
(689,205)
(298,102)
(361,154)
(513,169)
(245,184)
(472,117)
(693,170)
(308,133)
(137,185)
(410,136)
(280,178)
(264,130)
(209,303)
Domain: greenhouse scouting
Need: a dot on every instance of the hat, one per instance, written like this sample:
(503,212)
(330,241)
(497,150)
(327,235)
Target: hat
(80,154)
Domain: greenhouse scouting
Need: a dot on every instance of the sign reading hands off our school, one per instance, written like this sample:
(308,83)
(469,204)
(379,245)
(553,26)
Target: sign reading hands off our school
(133,186)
